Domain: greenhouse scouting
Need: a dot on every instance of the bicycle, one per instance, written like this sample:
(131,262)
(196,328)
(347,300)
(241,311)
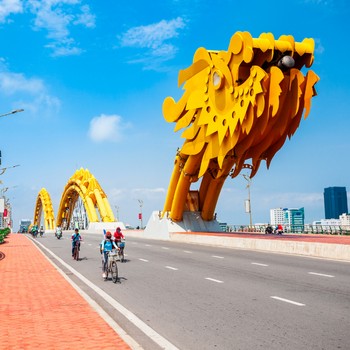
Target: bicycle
(111,265)
(76,251)
(121,246)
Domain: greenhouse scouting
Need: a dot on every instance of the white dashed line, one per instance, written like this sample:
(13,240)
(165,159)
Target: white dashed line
(133,243)
(218,257)
(186,251)
(212,279)
(165,248)
(288,301)
(259,264)
(90,244)
(125,254)
(320,274)
(144,260)
(148,245)
(171,268)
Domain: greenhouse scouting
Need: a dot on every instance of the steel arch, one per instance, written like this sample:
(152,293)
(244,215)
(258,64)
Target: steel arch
(44,205)
(83,184)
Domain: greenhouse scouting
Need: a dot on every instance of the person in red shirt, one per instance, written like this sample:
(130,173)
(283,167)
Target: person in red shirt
(118,235)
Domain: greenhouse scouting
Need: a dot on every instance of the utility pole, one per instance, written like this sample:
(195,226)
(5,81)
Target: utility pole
(248,208)
(117,212)
(141,203)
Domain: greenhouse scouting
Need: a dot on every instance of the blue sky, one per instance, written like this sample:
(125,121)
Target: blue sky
(92,77)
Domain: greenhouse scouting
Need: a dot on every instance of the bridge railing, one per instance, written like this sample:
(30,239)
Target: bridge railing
(301,229)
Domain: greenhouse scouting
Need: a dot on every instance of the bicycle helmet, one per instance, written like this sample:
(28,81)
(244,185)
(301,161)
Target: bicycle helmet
(108,235)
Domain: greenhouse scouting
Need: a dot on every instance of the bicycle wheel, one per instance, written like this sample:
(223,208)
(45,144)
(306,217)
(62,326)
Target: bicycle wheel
(114,270)
(76,254)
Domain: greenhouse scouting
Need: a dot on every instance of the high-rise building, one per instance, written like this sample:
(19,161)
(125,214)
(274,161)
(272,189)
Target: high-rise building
(277,216)
(294,218)
(335,202)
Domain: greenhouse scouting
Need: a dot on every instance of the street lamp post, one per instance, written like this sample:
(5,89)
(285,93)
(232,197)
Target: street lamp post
(249,209)
(141,203)
(13,112)
(117,212)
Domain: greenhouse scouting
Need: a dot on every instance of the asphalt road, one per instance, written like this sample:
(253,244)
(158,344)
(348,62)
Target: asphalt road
(201,297)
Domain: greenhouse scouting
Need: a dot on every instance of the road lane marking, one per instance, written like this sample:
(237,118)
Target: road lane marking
(144,260)
(90,244)
(320,274)
(218,257)
(171,268)
(133,243)
(148,245)
(288,301)
(212,279)
(125,254)
(259,264)
(115,326)
(151,333)
(186,251)
(165,248)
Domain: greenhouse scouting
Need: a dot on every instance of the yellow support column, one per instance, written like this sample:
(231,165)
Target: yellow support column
(92,211)
(109,209)
(101,205)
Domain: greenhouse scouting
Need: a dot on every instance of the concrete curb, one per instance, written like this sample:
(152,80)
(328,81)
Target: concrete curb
(321,250)
(311,249)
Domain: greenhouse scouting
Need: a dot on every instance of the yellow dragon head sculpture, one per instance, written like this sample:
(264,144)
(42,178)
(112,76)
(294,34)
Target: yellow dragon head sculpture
(242,103)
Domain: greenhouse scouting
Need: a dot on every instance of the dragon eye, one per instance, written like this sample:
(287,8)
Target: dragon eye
(218,80)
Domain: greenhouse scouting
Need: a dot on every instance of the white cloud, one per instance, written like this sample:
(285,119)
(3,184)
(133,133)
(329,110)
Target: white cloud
(152,37)
(107,128)
(32,91)
(86,18)
(56,16)
(9,6)
(319,48)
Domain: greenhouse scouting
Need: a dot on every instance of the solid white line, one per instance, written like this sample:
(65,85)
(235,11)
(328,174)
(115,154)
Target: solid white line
(259,264)
(144,260)
(165,248)
(211,279)
(156,337)
(218,257)
(109,320)
(171,268)
(186,251)
(320,274)
(288,301)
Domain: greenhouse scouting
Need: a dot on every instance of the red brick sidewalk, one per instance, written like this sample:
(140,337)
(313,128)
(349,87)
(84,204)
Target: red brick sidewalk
(39,309)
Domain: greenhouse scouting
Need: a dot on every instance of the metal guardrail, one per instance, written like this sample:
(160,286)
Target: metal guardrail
(301,229)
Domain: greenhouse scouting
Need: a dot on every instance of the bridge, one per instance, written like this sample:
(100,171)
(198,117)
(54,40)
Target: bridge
(82,195)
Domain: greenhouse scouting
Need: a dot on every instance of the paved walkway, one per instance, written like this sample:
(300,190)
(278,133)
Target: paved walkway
(39,309)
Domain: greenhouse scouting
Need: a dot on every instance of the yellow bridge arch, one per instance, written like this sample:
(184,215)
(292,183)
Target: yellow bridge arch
(43,205)
(82,184)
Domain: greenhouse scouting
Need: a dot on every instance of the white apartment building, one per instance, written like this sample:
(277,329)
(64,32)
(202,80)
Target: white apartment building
(327,223)
(276,216)
(345,221)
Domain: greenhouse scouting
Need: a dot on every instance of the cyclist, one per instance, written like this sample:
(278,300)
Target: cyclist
(106,246)
(118,235)
(75,238)
(58,230)
(41,231)
(34,231)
